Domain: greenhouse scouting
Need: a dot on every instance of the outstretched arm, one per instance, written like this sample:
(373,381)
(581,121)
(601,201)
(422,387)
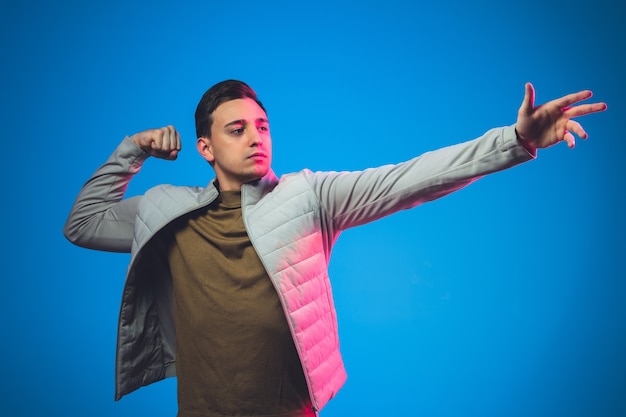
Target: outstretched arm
(550,123)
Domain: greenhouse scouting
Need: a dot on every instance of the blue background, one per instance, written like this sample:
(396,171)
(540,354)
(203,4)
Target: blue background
(503,299)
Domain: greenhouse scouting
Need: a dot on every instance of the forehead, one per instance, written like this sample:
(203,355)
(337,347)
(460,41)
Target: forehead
(238,109)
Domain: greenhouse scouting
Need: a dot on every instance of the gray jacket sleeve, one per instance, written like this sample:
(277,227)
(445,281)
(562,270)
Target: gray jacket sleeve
(354,198)
(101,218)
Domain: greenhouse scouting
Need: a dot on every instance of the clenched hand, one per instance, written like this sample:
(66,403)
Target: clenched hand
(162,143)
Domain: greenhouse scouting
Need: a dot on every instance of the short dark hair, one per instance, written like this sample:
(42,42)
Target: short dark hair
(221,92)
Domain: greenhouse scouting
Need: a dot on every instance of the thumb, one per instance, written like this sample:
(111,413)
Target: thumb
(528,104)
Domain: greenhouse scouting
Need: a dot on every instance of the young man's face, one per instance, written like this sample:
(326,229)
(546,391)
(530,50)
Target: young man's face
(240,146)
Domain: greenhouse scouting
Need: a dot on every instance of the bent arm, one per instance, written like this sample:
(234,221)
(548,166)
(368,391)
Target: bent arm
(355,198)
(101,218)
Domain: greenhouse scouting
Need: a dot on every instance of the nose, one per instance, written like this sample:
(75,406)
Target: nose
(255,137)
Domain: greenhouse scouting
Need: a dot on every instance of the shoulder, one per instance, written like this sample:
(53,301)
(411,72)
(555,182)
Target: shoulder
(295,181)
(166,190)
(167,194)
(280,189)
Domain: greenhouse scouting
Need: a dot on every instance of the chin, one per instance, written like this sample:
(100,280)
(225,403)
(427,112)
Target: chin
(256,177)
(262,172)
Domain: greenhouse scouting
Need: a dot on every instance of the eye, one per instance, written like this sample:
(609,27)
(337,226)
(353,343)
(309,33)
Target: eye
(263,128)
(238,131)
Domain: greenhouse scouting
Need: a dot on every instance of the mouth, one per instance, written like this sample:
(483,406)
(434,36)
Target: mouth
(257,155)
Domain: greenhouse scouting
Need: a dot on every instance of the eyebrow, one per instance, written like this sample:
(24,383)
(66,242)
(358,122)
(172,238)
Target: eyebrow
(243,121)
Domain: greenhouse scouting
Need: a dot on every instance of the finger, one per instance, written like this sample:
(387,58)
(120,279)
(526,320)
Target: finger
(584,109)
(156,139)
(171,143)
(168,139)
(572,98)
(173,139)
(528,103)
(575,127)
(570,140)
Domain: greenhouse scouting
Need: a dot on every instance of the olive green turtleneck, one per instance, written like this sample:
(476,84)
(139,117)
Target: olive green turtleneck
(235,353)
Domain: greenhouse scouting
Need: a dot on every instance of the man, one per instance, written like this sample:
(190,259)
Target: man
(228,286)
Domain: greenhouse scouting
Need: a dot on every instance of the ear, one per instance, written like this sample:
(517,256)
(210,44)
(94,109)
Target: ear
(203,145)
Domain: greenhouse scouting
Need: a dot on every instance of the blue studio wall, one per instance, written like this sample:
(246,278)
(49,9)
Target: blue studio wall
(503,299)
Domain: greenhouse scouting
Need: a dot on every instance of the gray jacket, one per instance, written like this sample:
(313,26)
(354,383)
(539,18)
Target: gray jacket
(292,223)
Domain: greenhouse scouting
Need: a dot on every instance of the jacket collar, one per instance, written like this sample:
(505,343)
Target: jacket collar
(254,191)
